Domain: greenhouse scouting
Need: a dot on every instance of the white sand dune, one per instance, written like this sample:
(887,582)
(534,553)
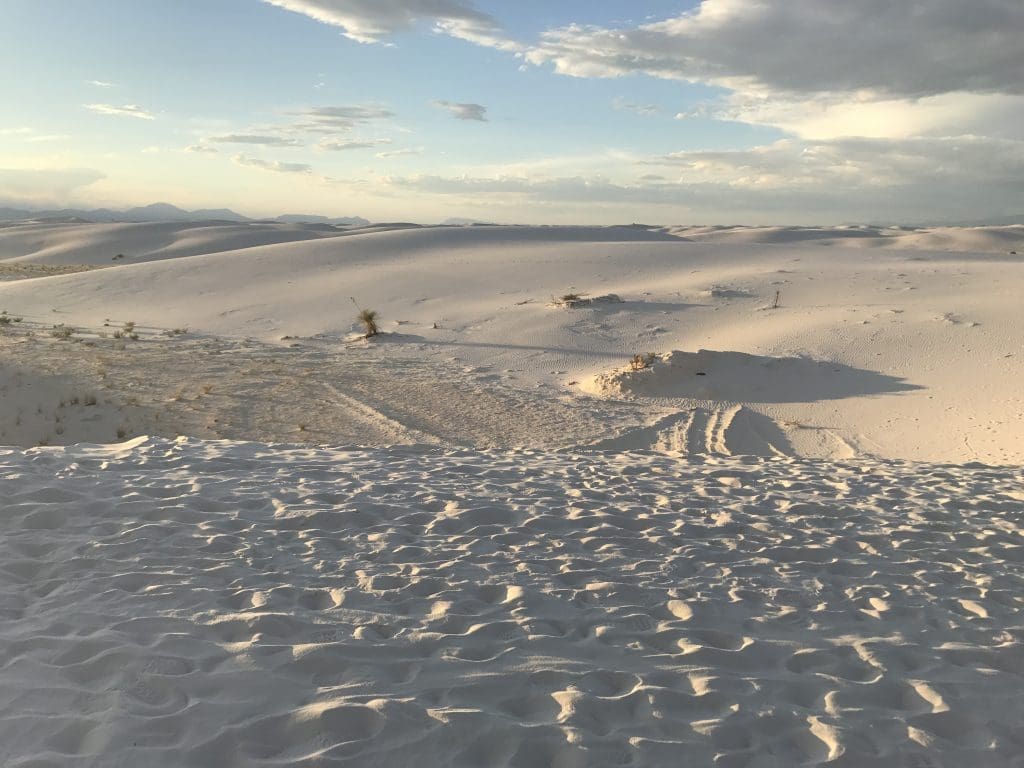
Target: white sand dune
(913,354)
(536,556)
(959,239)
(104,244)
(227,604)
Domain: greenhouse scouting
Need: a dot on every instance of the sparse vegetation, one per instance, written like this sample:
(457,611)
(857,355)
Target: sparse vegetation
(570,300)
(641,362)
(6,319)
(62,332)
(127,331)
(368,317)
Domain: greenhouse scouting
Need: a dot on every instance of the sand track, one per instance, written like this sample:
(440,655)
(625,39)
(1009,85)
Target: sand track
(732,430)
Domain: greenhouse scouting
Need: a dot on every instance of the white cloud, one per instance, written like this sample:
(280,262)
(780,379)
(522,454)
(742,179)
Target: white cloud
(45,186)
(914,180)
(476,112)
(370,21)
(827,116)
(815,68)
(345,146)
(248,138)
(101,83)
(897,49)
(405,152)
(201,149)
(125,110)
(337,119)
(272,165)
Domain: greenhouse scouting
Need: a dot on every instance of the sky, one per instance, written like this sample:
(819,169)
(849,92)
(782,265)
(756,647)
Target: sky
(519,111)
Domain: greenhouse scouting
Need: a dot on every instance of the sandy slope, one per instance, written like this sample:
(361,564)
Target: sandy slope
(104,244)
(960,239)
(896,351)
(217,604)
(617,568)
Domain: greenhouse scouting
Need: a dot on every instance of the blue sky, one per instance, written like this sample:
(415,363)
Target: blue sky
(598,111)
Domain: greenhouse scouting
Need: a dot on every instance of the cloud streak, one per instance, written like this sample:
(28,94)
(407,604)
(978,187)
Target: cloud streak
(271,165)
(879,180)
(371,21)
(459,111)
(348,146)
(247,138)
(124,110)
(337,119)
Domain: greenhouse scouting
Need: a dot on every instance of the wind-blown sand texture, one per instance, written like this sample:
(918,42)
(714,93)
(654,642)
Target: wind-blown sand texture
(216,604)
(792,537)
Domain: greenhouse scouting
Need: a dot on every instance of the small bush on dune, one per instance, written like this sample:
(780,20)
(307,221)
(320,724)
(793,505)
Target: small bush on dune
(571,300)
(127,332)
(368,318)
(641,362)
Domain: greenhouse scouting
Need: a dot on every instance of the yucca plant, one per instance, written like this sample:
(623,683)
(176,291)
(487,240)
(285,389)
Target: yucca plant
(368,317)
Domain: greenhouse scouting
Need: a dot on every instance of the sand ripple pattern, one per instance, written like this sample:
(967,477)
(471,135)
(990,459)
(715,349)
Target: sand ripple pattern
(182,603)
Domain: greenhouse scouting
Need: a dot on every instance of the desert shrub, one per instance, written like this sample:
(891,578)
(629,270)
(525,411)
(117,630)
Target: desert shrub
(62,332)
(570,300)
(640,362)
(127,331)
(368,317)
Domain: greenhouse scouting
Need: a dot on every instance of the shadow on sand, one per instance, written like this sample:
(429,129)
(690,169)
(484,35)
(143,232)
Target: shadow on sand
(741,378)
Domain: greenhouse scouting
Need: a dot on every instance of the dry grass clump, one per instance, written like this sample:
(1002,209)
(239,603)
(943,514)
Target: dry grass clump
(368,317)
(642,362)
(127,332)
(62,332)
(570,300)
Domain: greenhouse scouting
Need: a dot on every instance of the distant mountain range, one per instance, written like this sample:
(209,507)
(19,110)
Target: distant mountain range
(160,212)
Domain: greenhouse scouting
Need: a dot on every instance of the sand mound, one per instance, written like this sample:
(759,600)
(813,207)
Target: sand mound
(214,604)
